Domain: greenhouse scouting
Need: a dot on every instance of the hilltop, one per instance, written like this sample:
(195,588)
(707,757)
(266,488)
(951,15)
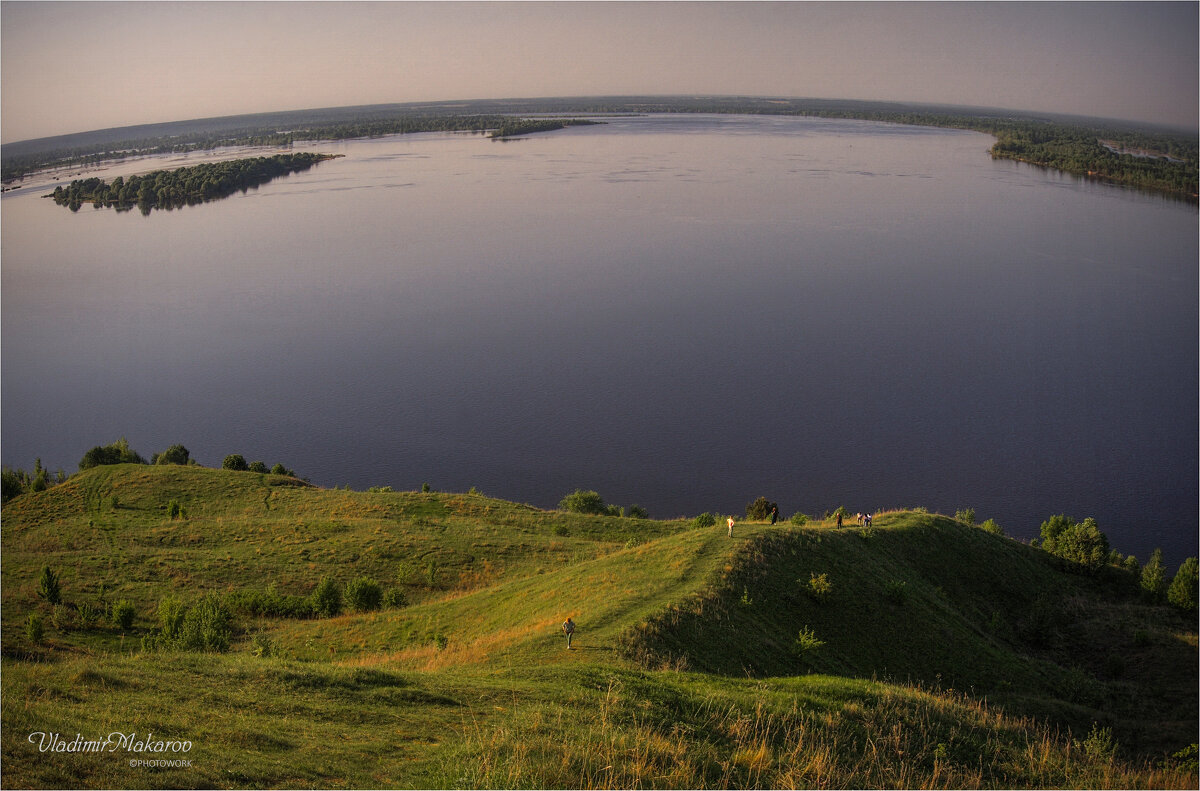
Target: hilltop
(921,651)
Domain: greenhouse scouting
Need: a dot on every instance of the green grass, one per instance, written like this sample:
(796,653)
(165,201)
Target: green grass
(990,668)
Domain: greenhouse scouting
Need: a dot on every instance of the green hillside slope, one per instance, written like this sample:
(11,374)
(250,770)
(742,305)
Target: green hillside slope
(927,600)
(948,657)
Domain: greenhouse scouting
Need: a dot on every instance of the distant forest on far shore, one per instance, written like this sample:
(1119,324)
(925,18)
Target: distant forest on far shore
(1140,156)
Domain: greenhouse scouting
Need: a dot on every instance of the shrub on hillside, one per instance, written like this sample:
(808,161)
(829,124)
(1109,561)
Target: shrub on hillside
(123,615)
(1183,589)
(1040,624)
(89,614)
(966,516)
(327,598)
(262,646)
(18,482)
(806,642)
(760,509)
(279,469)
(176,454)
(990,526)
(818,587)
(269,603)
(117,453)
(206,626)
(1154,578)
(1081,542)
(704,520)
(637,512)
(394,599)
(236,462)
(171,611)
(12,484)
(34,629)
(364,594)
(583,502)
(896,591)
(62,618)
(258,466)
(798,519)
(48,586)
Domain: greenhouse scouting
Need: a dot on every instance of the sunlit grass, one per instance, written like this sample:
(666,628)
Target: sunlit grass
(685,673)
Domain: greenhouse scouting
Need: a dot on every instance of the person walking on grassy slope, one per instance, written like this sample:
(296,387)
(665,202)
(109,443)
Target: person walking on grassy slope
(730,523)
(568,628)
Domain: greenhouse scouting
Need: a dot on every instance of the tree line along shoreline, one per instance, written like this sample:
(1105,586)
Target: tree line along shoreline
(1151,160)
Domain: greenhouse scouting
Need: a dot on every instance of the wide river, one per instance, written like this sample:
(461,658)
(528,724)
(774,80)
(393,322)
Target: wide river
(684,312)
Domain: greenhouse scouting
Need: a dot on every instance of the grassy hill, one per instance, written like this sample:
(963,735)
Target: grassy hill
(939,655)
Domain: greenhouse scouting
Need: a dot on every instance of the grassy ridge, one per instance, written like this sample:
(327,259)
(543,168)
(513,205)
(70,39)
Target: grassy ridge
(928,600)
(672,620)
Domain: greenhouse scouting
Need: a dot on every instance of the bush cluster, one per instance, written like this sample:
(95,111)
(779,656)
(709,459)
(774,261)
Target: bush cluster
(206,625)
(364,594)
(176,454)
(122,615)
(269,603)
(583,501)
(1079,542)
(761,509)
(118,452)
(237,462)
(14,483)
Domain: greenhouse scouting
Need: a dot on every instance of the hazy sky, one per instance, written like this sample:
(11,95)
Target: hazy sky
(69,67)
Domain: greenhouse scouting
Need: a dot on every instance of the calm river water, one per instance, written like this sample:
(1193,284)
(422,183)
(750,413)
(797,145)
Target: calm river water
(684,312)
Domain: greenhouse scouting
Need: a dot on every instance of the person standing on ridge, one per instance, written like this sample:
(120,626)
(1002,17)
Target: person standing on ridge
(730,523)
(568,628)
(774,514)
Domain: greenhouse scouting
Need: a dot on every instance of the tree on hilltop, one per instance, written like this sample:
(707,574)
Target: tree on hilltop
(583,502)
(1080,542)
(176,454)
(118,452)
(760,509)
(1183,590)
(236,462)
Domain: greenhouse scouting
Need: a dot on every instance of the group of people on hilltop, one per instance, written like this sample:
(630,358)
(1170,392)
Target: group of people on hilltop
(864,519)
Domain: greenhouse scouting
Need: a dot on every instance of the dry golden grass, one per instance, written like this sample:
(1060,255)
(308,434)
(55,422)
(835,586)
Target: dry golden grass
(455,654)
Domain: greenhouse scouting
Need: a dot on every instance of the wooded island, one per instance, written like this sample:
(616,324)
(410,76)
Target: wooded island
(186,186)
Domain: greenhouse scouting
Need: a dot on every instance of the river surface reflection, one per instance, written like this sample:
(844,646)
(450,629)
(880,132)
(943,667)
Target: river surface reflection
(684,312)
